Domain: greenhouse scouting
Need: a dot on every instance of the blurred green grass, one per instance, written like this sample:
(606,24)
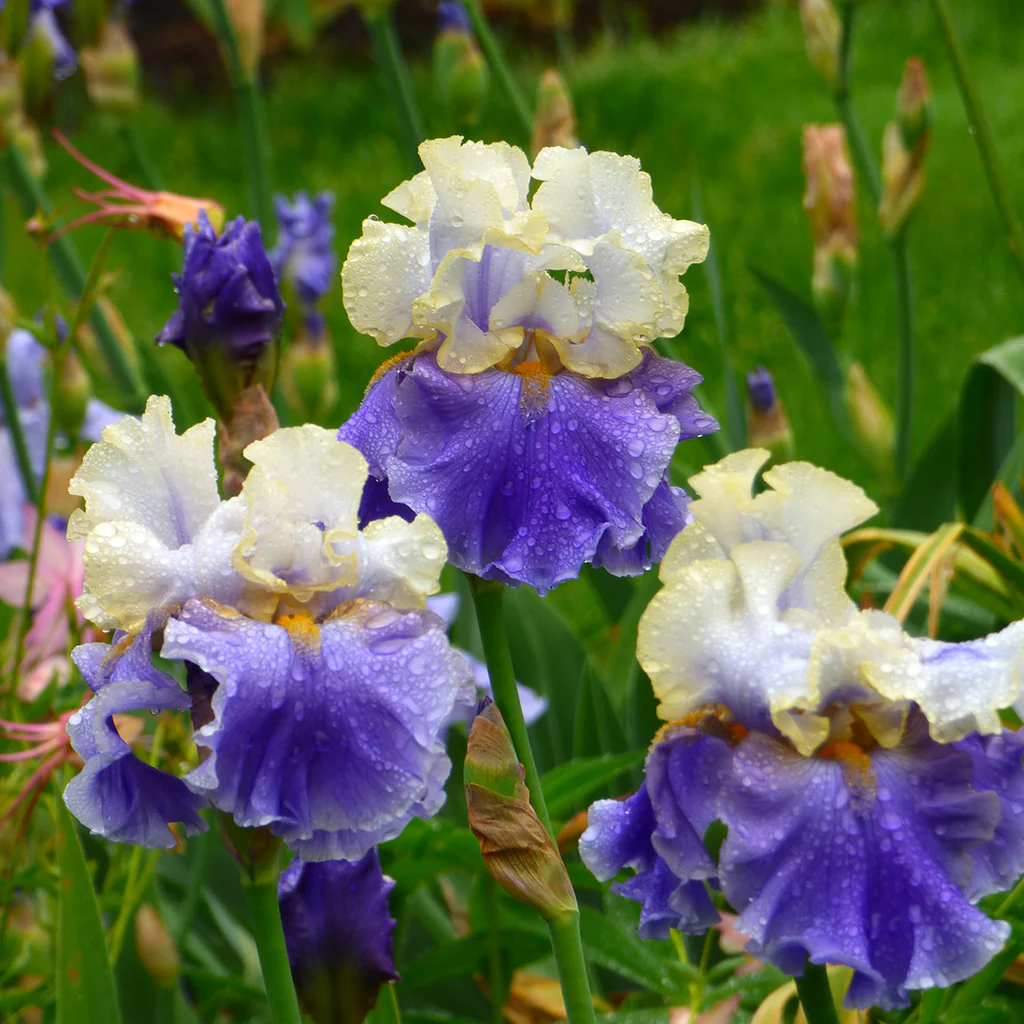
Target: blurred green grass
(721,101)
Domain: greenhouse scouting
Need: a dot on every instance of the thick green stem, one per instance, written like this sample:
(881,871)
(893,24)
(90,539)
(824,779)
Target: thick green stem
(68,266)
(387,49)
(492,51)
(495,974)
(572,968)
(269,935)
(854,133)
(905,369)
(254,122)
(13,423)
(982,133)
(490,617)
(816,996)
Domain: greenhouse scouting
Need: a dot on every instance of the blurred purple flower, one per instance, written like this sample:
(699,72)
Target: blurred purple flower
(339,935)
(761,388)
(452,16)
(304,257)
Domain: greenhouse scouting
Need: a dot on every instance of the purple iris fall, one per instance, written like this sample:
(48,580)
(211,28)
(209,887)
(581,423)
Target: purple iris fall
(533,422)
(869,791)
(339,934)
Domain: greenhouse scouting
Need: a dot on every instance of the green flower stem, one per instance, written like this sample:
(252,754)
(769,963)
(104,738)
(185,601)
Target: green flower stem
(495,979)
(254,122)
(68,266)
(140,154)
(905,369)
(488,597)
(13,422)
(387,50)
(572,968)
(982,133)
(269,934)
(1004,907)
(854,133)
(492,51)
(816,996)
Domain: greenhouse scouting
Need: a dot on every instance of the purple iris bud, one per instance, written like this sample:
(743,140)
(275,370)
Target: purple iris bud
(761,388)
(229,307)
(453,17)
(339,935)
(304,256)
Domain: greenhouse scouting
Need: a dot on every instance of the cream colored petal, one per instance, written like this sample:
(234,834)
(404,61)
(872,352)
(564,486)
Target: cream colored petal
(467,349)
(628,299)
(538,301)
(142,472)
(693,543)
(386,270)
(452,163)
(599,354)
(724,494)
(397,562)
(130,572)
(959,687)
(304,485)
(414,199)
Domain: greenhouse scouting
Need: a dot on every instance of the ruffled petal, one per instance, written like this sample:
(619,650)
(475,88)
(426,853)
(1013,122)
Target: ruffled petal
(524,474)
(618,836)
(960,687)
(116,795)
(997,767)
(862,866)
(386,270)
(323,730)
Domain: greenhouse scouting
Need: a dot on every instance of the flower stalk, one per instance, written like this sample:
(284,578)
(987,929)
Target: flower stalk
(387,50)
(816,996)
(254,123)
(492,51)
(900,251)
(10,409)
(982,133)
(269,934)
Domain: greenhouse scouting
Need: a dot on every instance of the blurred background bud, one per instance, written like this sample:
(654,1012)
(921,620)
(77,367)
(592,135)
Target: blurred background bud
(830,204)
(340,936)
(308,373)
(767,425)
(460,71)
(8,314)
(904,149)
(870,420)
(23,134)
(111,70)
(89,18)
(554,119)
(10,88)
(248,18)
(516,847)
(14,21)
(822,34)
(156,948)
(73,393)
(46,56)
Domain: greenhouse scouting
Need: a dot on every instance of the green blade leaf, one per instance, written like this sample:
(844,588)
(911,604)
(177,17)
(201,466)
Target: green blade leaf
(85,984)
(929,496)
(809,333)
(569,787)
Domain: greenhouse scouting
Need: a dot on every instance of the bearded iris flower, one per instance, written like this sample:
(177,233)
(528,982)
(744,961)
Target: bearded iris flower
(533,421)
(870,793)
(304,255)
(329,683)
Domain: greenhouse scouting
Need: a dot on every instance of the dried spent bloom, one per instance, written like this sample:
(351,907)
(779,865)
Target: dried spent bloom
(304,259)
(870,793)
(163,213)
(533,422)
(229,311)
(830,204)
(326,684)
(340,935)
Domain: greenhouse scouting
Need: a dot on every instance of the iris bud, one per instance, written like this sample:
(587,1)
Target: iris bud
(822,34)
(516,848)
(904,148)
(111,69)
(870,419)
(554,119)
(73,393)
(307,372)
(248,18)
(767,425)
(156,948)
(460,71)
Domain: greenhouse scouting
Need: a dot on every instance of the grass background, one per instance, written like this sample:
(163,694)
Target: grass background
(722,101)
